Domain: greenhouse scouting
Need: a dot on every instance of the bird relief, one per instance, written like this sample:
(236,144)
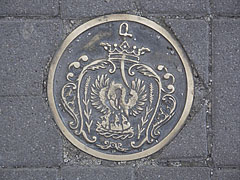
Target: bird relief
(117,97)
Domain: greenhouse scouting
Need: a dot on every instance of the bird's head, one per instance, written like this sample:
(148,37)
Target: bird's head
(133,92)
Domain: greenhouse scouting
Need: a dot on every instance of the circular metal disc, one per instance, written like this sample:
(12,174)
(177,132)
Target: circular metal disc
(120,87)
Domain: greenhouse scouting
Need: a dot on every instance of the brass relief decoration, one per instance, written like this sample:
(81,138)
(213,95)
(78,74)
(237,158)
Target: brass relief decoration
(112,95)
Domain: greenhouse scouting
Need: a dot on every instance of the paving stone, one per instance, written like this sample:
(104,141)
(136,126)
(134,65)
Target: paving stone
(190,142)
(25,48)
(223,7)
(175,7)
(29,137)
(226,174)
(73,156)
(97,173)
(193,35)
(83,8)
(28,7)
(226,85)
(172,173)
(28,174)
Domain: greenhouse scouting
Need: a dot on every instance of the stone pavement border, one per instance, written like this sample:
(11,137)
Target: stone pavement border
(31,31)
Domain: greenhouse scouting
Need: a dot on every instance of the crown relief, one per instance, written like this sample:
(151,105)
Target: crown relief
(124,50)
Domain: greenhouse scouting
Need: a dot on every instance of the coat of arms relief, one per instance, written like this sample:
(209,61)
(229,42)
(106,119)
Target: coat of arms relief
(117,102)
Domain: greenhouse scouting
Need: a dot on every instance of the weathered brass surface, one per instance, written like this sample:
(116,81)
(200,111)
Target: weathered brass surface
(120,87)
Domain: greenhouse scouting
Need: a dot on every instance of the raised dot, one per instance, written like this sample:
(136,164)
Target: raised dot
(160,67)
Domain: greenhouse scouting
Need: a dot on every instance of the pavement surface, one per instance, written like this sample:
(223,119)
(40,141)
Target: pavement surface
(32,146)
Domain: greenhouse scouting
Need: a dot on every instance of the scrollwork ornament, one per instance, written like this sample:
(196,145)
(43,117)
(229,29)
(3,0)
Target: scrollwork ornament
(120,97)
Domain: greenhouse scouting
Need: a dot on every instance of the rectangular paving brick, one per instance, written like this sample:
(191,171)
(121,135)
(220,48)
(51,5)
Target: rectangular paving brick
(226,8)
(175,7)
(226,86)
(29,137)
(29,7)
(28,174)
(83,8)
(172,173)
(193,35)
(98,173)
(191,142)
(226,174)
(25,48)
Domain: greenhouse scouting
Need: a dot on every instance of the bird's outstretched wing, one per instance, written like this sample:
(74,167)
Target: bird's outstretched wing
(98,94)
(139,86)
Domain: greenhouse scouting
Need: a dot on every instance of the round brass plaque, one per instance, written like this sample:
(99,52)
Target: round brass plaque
(120,87)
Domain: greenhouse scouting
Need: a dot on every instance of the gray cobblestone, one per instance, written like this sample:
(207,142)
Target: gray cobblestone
(82,173)
(191,142)
(223,7)
(81,8)
(175,7)
(28,135)
(193,35)
(25,48)
(226,85)
(28,174)
(172,173)
(226,174)
(28,8)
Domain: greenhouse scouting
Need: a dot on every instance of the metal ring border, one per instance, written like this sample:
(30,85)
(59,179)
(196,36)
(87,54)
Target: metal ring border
(121,17)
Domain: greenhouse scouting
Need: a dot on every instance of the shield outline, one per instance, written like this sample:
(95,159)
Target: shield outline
(169,37)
